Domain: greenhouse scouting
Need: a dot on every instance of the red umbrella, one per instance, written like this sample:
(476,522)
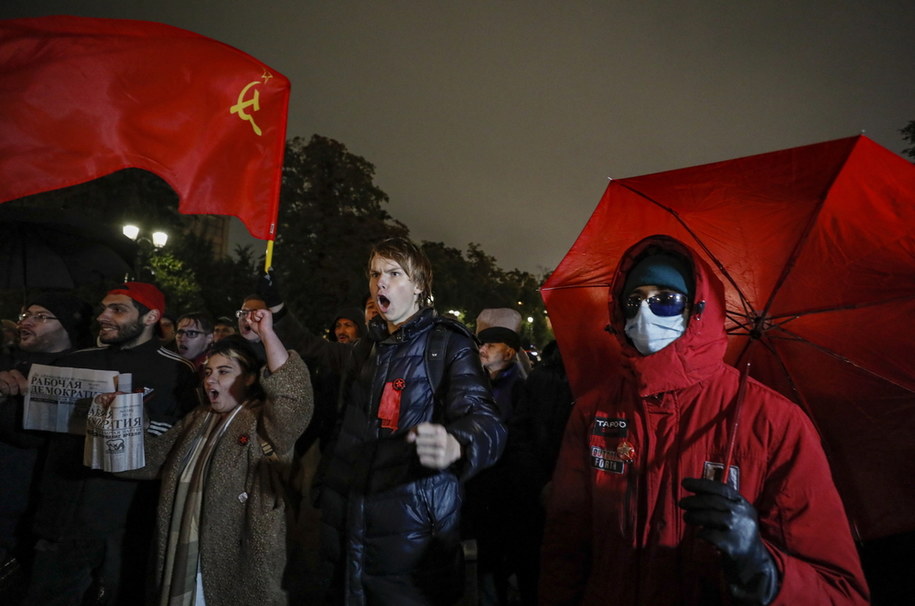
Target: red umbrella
(815,247)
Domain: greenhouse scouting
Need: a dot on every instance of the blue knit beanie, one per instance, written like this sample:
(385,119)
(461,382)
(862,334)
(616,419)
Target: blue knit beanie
(661,270)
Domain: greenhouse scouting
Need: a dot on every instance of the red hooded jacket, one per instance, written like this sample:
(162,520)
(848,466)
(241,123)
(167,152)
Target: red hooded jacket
(615,534)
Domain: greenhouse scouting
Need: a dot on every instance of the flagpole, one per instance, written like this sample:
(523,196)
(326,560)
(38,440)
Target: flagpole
(268,257)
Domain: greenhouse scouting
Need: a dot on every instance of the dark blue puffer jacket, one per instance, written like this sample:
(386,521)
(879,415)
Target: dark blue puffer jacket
(391,525)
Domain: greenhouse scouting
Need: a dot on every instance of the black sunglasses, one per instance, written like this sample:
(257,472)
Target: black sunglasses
(663,304)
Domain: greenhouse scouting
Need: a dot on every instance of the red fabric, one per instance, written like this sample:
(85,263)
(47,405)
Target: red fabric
(389,408)
(816,240)
(144,293)
(615,534)
(81,98)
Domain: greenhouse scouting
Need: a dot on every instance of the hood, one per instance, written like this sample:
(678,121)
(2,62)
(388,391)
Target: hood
(699,352)
(352,314)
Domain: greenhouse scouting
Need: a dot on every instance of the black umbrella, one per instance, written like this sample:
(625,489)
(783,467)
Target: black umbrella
(41,248)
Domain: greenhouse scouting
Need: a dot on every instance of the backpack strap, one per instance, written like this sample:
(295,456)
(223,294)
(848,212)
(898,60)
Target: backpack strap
(436,355)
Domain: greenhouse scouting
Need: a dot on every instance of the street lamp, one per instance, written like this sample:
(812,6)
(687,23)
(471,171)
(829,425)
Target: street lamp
(159,238)
(131,231)
(145,245)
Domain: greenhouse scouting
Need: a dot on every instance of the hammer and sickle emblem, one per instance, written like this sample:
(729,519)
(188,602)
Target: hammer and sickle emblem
(242,104)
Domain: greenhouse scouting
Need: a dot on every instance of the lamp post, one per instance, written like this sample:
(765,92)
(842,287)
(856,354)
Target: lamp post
(146,245)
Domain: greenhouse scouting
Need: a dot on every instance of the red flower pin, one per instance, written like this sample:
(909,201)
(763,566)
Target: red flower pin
(243,439)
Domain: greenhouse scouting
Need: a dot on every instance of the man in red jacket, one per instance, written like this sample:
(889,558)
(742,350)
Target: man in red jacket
(638,513)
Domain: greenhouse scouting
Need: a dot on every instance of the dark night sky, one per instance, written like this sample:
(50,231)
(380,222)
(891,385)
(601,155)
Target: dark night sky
(500,122)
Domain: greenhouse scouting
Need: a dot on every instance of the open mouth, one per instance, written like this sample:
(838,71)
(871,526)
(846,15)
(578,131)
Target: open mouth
(213,395)
(383,303)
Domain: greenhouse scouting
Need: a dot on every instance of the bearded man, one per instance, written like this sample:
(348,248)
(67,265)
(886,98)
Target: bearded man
(83,514)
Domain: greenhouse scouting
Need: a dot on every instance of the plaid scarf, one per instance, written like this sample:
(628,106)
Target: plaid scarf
(182,558)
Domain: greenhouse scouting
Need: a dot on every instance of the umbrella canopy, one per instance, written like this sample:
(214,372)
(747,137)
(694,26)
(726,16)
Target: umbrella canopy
(815,247)
(54,249)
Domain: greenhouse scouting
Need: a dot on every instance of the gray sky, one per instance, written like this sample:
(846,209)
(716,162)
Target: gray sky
(500,122)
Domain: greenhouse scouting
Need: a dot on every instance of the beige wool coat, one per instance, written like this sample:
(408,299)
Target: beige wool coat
(243,535)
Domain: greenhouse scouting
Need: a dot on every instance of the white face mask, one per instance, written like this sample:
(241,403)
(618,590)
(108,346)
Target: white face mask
(650,333)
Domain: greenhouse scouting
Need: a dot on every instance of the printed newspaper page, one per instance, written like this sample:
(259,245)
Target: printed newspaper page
(58,397)
(114,434)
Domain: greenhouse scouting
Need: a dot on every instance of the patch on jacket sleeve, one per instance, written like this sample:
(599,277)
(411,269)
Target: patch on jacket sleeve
(389,409)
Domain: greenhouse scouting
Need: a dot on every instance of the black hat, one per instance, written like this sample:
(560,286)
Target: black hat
(73,313)
(500,334)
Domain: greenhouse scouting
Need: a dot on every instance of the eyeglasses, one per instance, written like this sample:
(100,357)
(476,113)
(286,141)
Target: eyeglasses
(39,317)
(190,334)
(241,313)
(663,304)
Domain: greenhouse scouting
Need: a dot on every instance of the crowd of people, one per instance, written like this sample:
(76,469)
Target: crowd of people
(401,458)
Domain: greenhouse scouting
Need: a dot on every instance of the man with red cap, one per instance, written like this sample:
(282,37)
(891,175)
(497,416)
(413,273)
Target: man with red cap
(83,514)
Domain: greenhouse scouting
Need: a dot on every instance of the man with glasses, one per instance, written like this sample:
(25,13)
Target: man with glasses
(650,505)
(251,303)
(50,326)
(194,336)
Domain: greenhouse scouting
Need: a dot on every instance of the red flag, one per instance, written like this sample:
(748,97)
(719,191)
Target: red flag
(81,98)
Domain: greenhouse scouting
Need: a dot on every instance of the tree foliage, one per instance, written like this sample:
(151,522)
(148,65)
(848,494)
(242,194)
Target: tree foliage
(469,282)
(331,212)
(908,135)
(188,272)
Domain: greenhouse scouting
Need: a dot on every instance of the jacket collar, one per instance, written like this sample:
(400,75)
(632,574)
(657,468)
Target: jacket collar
(420,322)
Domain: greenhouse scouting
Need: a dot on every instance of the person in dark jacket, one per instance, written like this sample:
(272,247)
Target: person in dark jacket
(391,496)
(51,325)
(348,326)
(489,504)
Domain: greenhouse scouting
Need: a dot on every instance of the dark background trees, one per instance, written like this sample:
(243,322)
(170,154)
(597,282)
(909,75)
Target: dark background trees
(331,211)
(908,134)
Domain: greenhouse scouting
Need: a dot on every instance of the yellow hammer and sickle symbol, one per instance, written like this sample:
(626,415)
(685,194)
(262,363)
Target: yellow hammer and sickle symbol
(241,105)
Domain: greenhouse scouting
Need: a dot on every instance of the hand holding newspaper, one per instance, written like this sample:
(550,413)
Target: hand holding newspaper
(76,400)
(58,397)
(115,429)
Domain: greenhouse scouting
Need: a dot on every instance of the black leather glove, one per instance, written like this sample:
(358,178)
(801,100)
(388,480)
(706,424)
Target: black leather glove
(727,521)
(377,330)
(268,288)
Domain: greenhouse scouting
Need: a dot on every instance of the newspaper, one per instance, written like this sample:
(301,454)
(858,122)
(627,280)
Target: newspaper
(114,434)
(58,397)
